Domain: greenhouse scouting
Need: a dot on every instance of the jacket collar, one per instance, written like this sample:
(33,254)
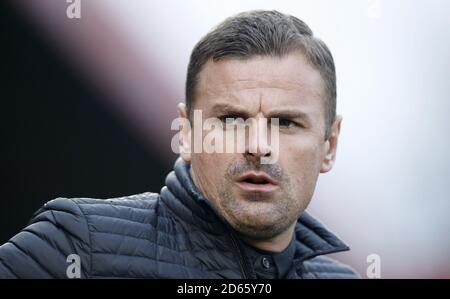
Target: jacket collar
(184,199)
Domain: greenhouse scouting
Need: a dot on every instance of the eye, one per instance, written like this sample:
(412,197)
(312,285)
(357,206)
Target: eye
(286,123)
(228,119)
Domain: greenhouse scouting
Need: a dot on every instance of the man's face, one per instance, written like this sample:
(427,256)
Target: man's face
(263,200)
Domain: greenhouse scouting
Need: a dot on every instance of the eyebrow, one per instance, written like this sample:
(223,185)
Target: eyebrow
(225,108)
(286,113)
(289,114)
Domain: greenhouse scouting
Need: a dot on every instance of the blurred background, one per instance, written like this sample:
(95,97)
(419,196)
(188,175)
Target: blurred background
(87,103)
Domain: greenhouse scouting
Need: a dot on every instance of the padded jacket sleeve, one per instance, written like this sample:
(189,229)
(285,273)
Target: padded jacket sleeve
(41,250)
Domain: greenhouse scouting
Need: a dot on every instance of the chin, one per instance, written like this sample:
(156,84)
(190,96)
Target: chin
(252,227)
(259,233)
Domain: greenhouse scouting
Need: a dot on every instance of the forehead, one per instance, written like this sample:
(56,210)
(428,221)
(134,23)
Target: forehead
(261,82)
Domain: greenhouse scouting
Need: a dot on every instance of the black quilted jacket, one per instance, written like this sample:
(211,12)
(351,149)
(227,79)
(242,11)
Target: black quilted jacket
(174,234)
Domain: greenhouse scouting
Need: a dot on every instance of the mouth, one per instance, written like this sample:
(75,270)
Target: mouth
(257,182)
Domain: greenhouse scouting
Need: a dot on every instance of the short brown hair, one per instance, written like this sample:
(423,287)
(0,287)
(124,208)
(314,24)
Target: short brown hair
(268,33)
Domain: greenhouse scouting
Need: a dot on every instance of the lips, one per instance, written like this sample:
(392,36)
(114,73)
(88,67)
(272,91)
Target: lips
(257,182)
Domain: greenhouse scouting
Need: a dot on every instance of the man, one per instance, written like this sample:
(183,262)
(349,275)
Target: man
(221,214)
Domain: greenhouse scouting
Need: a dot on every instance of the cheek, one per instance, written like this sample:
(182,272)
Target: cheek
(210,171)
(301,160)
(202,166)
(212,164)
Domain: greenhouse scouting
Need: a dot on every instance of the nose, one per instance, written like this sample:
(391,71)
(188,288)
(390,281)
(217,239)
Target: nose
(257,145)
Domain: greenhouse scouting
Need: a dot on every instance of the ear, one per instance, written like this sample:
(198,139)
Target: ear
(330,145)
(185,133)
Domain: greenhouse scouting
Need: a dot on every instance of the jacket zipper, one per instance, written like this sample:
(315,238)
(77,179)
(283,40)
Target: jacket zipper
(244,270)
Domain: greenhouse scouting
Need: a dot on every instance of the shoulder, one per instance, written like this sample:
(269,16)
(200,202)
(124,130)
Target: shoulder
(81,216)
(328,268)
(68,211)
(80,226)
(125,206)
